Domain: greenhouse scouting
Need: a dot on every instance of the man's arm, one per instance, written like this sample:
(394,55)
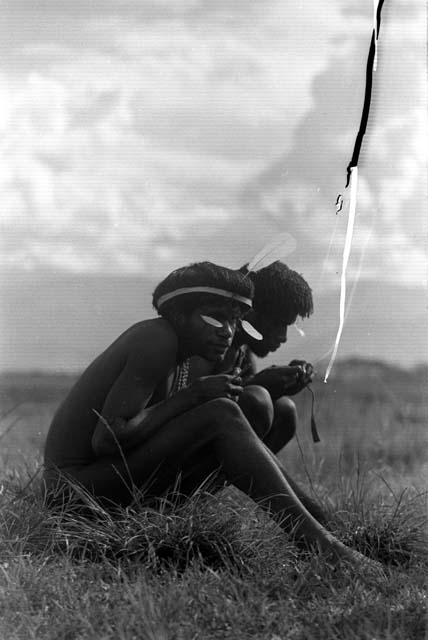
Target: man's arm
(278,380)
(110,434)
(248,367)
(125,419)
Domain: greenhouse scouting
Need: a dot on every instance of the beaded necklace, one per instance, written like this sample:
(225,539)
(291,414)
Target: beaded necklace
(181,377)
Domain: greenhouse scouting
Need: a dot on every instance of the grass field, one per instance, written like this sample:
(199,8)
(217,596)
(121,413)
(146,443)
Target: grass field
(216,567)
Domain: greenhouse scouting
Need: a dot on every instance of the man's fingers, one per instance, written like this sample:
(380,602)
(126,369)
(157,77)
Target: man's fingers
(231,379)
(234,392)
(290,384)
(293,371)
(235,388)
(286,368)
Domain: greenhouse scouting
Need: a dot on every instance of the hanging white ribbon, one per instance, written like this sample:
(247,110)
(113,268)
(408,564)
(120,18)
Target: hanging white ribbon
(345,260)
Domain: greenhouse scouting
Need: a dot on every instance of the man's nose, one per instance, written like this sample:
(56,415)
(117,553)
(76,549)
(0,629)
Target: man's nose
(227,329)
(283,336)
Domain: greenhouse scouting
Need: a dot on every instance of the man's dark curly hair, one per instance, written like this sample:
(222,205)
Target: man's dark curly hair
(280,293)
(202,274)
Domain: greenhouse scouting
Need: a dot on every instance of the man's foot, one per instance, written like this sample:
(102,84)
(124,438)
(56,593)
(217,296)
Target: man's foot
(369,568)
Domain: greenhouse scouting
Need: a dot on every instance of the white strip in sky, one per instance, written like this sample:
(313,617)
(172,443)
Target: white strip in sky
(375,31)
(346,254)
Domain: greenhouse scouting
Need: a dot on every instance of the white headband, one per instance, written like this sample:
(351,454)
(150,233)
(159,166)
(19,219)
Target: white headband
(218,292)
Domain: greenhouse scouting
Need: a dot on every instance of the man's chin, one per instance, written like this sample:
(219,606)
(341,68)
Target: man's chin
(214,356)
(259,349)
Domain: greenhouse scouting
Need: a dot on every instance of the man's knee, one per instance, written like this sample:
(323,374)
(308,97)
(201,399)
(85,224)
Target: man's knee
(221,409)
(256,404)
(285,417)
(283,426)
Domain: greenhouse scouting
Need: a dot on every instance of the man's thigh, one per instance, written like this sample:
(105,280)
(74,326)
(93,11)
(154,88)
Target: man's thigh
(181,448)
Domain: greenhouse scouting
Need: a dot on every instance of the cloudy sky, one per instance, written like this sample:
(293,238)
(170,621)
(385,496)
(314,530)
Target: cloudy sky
(140,135)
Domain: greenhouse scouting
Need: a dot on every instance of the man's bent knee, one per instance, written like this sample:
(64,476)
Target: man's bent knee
(256,404)
(287,408)
(257,394)
(286,416)
(223,409)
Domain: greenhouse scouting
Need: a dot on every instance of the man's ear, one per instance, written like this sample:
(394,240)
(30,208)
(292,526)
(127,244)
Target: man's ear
(180,321)
(250,316)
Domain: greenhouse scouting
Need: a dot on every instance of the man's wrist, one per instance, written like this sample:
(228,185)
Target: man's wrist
(249,380)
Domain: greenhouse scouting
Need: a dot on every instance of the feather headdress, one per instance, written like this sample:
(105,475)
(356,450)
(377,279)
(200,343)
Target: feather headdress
(282,246)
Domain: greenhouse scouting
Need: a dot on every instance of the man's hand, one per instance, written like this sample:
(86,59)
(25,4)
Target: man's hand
(277,380)
(285,380)
(218,386)
(306,373)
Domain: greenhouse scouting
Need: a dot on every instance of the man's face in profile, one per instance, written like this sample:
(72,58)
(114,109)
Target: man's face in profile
(273,330)
(211,329)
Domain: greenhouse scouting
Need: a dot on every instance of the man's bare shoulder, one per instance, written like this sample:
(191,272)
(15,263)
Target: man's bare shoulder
(153,338)
(152,329)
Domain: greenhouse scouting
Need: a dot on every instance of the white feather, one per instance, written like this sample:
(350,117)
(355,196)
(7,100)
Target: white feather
(212,321)
(282,246)
(252,331)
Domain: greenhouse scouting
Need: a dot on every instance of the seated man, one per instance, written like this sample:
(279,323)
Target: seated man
(281,295)
(133,419)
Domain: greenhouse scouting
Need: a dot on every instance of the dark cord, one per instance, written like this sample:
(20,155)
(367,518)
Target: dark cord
(367,95)
(314,430)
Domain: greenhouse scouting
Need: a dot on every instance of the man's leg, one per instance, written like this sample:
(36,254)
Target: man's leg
(245,461)
(277,433)
(202,467)
(274,424)
(284,424)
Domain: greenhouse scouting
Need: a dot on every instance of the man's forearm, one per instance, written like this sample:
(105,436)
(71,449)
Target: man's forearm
(119,433)
(151,418)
